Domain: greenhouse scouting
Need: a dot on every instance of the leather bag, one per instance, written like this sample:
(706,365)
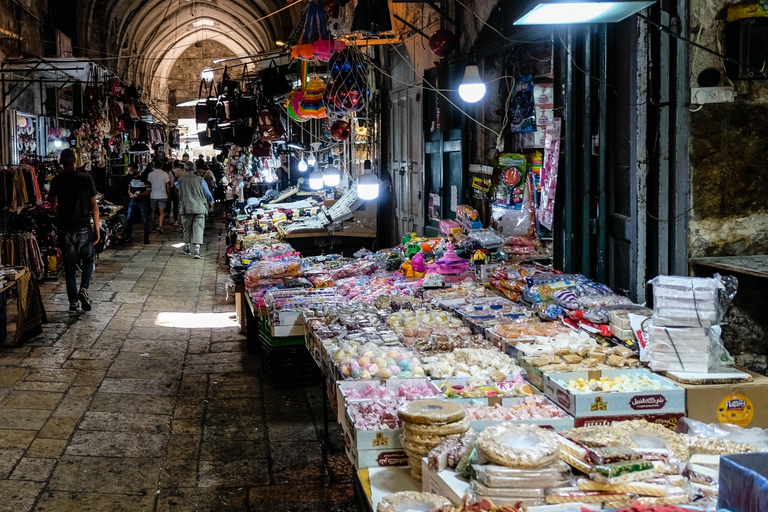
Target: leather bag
(270,126)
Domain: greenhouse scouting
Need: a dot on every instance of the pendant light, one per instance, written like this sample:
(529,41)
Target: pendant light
(311,159)
(367,183)
(316,178)
(472,87)
(331,176)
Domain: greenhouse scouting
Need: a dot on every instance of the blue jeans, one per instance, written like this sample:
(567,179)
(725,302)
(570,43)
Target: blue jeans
(76,246)
(141,207)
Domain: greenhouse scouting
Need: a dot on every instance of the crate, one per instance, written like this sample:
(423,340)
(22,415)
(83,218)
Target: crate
(288,366)
(265,336)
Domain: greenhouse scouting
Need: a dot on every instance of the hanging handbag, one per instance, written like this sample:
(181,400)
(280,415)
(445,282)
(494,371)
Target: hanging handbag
(270,126)
(132,112)
(262,149)
(204,108)
(243,135)
(223,111)
(224,134)
(204,138)
(115,89)
(228,88)
(273,83)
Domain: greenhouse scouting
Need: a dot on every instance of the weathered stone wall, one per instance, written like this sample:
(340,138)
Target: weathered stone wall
(23,19)
(729,178)
(729,185)
(184,77)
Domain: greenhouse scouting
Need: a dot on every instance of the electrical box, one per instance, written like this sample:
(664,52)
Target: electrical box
(746,41)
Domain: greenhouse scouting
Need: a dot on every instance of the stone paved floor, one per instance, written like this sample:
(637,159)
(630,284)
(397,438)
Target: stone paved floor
(114,412)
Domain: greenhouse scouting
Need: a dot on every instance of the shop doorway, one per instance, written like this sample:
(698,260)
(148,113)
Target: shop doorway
(407,160)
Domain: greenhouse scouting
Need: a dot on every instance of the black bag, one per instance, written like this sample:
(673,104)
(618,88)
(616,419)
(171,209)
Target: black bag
(273,83)
(229,89)
(205,108)
(243,135)
(204,137)
(223,113)
(224,134)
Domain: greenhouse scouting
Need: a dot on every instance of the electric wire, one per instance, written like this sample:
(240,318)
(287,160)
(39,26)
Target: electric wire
(479,18)
(436,90)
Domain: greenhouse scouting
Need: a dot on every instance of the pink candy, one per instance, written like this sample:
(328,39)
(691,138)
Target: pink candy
(376,415)
(417,391)
(529,408)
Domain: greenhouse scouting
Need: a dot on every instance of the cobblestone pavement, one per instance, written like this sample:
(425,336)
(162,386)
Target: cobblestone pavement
(150,402)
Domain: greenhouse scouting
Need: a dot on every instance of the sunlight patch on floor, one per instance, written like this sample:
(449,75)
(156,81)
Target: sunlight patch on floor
(196,320)
(178,246)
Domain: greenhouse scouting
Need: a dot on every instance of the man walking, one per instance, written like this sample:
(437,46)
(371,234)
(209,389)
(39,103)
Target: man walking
(139,190)
(194,202)
(74,195)
(158,198)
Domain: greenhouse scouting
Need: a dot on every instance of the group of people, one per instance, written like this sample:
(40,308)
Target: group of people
(183,191)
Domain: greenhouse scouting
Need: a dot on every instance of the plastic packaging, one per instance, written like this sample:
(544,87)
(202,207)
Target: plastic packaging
(495,476)
(680,301)
(526,446)
(701,436)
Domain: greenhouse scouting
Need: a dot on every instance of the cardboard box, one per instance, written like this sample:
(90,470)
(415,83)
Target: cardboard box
(533,374)
(381,457)
(744,404)
(613,403)
(285,331)
(444,483)
(667,420)
(392,384)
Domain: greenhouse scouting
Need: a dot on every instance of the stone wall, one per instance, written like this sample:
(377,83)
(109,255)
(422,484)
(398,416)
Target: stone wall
(729,185)
(729,178)
(23,19)
(184,77)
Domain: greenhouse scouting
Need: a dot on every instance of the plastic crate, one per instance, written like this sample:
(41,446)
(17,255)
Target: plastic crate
(290,366)
(265,336)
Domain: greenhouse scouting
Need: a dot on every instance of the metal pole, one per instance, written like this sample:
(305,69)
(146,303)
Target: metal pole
(568,138)
(602,180)
(586,154)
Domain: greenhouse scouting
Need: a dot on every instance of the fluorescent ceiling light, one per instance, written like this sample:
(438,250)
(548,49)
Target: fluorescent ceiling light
(557,13)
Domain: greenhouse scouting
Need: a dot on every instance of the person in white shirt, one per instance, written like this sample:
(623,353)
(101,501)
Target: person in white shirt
(157,200)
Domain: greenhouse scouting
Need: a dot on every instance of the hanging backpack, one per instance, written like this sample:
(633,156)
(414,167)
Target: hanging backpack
(270,126)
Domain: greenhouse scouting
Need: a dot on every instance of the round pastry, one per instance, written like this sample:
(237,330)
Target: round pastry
(416,450)
(411,501)
(427,440)
(523,446)
(457,427)
(431,412)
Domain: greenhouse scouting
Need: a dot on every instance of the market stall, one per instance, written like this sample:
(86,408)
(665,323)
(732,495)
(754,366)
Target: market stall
(426,367)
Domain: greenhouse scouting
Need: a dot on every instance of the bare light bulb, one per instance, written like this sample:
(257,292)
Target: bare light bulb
(472,87)
(311,159)
(302,165)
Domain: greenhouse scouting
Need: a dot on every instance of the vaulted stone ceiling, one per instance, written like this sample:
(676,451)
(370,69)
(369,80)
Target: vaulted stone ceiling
(151,35)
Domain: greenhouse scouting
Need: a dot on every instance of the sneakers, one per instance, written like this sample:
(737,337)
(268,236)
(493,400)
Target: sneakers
(185,249)
(160,230)
(85,300)
(74,310)
(197,251)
